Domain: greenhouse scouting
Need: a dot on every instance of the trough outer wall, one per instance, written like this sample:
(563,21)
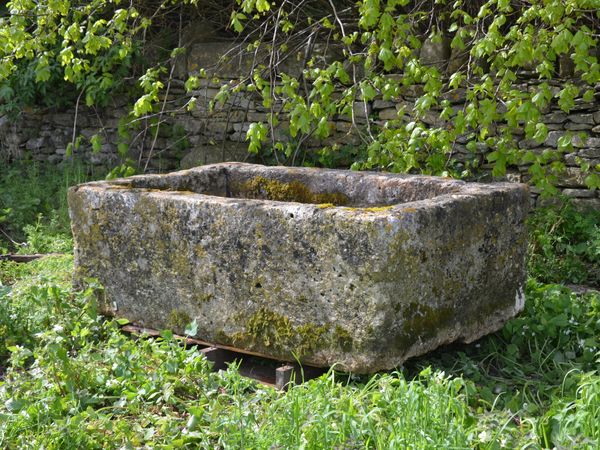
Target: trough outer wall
(364,289)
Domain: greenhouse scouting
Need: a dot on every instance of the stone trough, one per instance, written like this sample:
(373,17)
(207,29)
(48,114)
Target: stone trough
(362,270)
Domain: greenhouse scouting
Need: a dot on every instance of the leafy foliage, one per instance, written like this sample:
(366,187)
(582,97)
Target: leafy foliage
(495,44)
(53,46)
(565,245)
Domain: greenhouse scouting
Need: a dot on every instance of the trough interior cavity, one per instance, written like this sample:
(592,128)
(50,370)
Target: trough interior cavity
(301,185)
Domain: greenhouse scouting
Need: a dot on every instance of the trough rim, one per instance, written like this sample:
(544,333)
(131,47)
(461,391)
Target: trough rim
(464,189)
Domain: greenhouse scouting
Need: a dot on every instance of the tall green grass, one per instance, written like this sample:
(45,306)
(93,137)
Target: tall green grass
(565,245)
(34,214)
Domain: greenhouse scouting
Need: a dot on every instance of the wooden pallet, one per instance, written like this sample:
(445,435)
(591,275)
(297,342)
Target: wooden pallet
(270,372)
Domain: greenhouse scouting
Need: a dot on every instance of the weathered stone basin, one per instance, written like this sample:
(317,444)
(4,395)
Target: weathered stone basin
(360,269)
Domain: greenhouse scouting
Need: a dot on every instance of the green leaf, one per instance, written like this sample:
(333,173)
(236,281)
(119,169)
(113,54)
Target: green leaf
(387,56)
(167,335)
(236,21)
(96,141)
(588,95)
(14,405)
(191,329)
(541,132)
(143,105)
(566,97)
(369,13)
(192,83)
(256,134)
(122,149)
(592,181)
(368,92)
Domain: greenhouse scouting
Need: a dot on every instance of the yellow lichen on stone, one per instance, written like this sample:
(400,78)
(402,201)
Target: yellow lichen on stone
(204,297)
(309,336)
(117,186)
(343,338)
(372,208)
(199,251)
(179,262)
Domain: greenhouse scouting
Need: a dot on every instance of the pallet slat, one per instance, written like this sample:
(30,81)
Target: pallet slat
(278,374)
(27,258)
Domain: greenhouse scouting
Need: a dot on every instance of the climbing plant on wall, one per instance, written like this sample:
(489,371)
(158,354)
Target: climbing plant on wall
(65,53)
(57,52)
(379,48)
(493,46)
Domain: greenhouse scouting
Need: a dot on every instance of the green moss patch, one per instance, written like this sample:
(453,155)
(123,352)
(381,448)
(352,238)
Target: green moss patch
(294,191)
(178,320)
(269,329)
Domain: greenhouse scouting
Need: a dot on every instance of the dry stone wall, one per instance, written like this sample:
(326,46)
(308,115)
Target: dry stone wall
(202,136)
